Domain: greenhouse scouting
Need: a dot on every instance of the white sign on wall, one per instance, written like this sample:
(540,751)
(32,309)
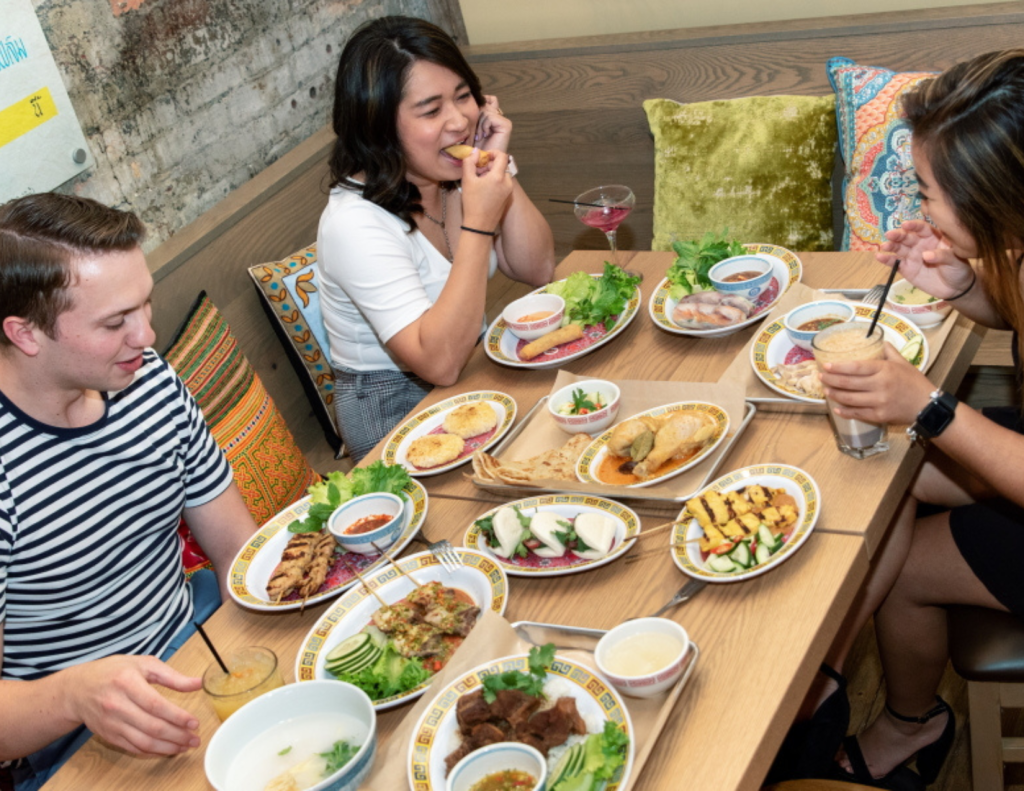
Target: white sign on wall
(41,142)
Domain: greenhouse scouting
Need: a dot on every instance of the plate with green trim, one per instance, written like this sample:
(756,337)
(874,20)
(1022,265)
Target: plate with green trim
(256,561)
(436,734)
(594,455)
(480,577)
(431,421)
(693,561)
(788,270)
(772,347)
(568,507)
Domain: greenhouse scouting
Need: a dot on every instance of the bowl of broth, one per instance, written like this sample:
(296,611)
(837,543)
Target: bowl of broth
(534,315)
(806,321)
(907,300)
(742,275)
(318,736)
(374,518)
(644,657)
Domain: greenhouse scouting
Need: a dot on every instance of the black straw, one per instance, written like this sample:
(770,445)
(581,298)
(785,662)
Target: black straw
(885,293)
(210,646)
(579,203)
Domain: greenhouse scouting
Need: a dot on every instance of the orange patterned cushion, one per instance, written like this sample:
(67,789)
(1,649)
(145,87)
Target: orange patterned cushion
(270,470)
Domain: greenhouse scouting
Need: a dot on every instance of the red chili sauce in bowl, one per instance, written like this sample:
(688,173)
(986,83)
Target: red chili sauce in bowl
(739,277)
(817,325)
(367,524)
(505,780)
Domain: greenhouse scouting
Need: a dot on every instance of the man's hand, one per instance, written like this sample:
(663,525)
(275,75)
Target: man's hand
(115,700)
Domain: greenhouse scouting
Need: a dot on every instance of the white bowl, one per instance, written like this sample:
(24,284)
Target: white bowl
(592,422)
(534,303)
(750,288)
(367,505)
(258,732)
(822,309)
(643,685)
(495,758)
(927,315)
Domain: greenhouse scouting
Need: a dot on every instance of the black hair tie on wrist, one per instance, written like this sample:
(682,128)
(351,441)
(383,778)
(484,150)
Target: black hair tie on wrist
(477,230)
(966,290)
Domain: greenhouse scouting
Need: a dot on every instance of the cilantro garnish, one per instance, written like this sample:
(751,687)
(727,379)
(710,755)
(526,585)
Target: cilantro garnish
(531,683)
(339,755)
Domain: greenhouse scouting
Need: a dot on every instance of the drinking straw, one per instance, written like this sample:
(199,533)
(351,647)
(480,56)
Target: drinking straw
(580,203)
(209,645)
(885,293)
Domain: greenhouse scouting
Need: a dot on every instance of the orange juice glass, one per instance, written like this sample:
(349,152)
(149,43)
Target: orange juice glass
(254,670)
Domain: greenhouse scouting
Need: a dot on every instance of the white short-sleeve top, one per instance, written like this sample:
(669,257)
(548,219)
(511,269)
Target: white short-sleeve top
(376,279)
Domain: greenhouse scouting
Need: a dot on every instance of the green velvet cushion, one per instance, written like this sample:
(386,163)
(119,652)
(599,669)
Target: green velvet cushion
(759,166)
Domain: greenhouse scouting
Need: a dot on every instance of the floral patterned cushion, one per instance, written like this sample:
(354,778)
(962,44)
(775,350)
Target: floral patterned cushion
(879,186)
(290,295)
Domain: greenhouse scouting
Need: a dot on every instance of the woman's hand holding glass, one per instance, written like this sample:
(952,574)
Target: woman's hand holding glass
(877,391)
(926,259)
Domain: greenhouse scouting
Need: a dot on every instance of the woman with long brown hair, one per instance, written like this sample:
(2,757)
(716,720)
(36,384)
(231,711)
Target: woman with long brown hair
(411,234)
(968,149)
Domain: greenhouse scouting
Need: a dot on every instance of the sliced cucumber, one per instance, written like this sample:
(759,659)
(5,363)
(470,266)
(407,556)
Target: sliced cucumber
(721,563)
(570,764)
(764,535)
(741,555)
(356,664)
(762,553)
(349,647)
(353,654)
(911,351)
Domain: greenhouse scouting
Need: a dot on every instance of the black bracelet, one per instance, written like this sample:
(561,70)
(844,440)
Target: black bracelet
(477,230)
(964,292)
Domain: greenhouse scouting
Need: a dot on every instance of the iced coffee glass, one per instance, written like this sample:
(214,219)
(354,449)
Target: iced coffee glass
(254,670)
(848,342)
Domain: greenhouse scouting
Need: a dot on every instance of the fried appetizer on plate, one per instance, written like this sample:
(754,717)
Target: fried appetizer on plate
(463,152)
(433,450)
(470,420)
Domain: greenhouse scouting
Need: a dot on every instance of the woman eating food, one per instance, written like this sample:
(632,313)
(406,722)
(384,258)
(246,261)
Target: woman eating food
(968,150)
(423,208)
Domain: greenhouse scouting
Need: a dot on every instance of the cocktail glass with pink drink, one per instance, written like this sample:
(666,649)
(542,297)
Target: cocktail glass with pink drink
(605,208)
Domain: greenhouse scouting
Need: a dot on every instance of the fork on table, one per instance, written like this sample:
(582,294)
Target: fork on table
(871,296)
(445,553)
(684,594)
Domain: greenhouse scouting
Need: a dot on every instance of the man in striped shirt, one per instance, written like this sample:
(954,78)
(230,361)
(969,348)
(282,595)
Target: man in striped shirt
(102,449)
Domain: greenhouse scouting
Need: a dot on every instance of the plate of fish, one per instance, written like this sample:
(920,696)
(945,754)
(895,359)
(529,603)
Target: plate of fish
(446,435)
(393,652)
(655,445)
(582,331)
(746,523)
(554,534)
(709,314)
(321,569)
(562,708)
(791,371)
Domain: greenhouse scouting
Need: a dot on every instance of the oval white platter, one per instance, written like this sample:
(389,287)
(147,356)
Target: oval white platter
(431,419)
(788,270)
(435,735)
(480,577)
(590,461)
(686,551)
(256,561)
(772,346)
(502,346)
(627,525)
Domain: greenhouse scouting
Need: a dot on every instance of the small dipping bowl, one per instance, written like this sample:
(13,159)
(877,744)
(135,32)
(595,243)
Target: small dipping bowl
(368,505)
(278,711)
(498,757)
(815,311)
(929,314)
(751,287)
(529,305)
(592,422)
(627,640)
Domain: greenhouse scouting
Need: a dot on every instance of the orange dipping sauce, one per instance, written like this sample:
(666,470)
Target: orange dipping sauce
(367,523)
(538,316)
(608,470)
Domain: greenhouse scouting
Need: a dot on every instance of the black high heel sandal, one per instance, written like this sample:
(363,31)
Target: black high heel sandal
(931,757)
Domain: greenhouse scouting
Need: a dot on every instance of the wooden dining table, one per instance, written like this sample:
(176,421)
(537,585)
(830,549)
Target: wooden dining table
(761,639)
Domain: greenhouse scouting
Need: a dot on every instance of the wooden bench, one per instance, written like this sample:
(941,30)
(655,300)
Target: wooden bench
(576,104)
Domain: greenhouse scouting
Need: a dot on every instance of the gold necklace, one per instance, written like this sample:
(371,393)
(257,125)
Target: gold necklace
(441,222)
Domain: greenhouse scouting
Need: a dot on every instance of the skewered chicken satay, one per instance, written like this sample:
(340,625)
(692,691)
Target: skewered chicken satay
(295,561)
(323,554)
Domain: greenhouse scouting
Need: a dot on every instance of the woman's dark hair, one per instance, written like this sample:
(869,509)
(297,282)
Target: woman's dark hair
(40,238)
(969,122)
(371,79)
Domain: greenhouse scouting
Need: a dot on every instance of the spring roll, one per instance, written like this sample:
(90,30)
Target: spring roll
(463,152)
(554,338)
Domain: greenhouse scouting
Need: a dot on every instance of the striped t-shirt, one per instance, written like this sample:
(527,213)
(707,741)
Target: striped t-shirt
(90,560)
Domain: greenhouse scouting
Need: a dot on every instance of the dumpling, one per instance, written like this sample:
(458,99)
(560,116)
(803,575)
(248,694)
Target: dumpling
(508,530)
(544,525)
(598,532)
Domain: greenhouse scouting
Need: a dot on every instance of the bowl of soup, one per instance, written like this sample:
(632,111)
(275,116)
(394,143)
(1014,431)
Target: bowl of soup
(742,275)
(534,315)
(375,518)
(806,321)
(907,300)
(644,657)
(500,766)
(318,736)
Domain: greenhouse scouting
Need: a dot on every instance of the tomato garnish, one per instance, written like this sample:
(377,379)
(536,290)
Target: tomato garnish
(721,549)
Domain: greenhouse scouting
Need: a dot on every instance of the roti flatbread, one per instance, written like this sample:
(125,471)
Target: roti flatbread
(558,464)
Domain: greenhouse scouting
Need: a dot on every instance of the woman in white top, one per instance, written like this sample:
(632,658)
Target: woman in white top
(411,234)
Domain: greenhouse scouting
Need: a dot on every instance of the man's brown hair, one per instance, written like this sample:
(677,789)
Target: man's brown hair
(40,237)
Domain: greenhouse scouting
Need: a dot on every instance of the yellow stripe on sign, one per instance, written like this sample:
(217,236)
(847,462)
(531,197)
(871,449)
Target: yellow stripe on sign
(26,114)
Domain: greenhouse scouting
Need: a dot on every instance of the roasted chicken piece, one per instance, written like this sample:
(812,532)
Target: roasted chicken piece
(624,434)
(678,436)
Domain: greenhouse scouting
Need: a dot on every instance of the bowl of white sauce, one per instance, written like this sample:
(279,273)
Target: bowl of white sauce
(315,736)
(644,657)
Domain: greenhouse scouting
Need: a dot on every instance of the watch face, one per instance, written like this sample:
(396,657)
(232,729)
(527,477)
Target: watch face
(936,416)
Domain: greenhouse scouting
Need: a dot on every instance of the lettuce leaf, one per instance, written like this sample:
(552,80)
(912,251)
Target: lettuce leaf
(338,488)
(595,300)
(694,259)
(380,680)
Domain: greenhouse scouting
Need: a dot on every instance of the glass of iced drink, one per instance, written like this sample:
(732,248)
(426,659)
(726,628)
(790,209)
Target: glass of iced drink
(254,670)
(847,342)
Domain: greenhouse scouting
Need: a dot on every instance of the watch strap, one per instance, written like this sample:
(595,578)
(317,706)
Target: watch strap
(935,418)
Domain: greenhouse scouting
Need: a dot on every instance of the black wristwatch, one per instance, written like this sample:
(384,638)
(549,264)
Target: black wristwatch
(934,418)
